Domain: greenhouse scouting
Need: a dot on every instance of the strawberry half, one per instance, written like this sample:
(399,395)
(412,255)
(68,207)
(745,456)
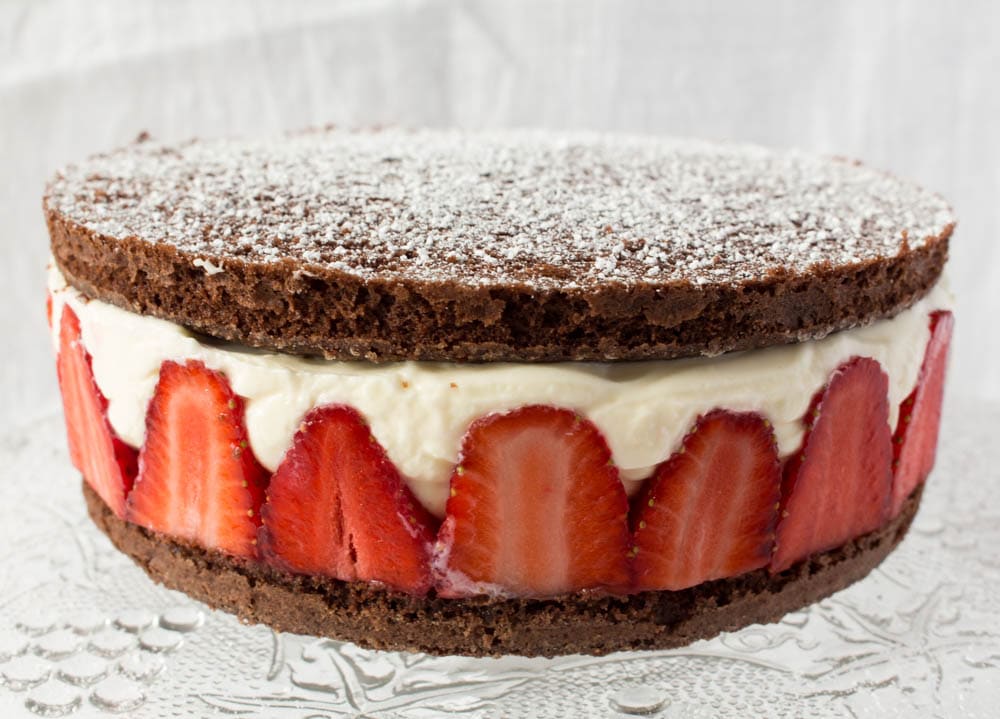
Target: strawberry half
(338,507)
(536,509)
(837,487)
(915,442)
(198,479)
(710,510)
(107,464)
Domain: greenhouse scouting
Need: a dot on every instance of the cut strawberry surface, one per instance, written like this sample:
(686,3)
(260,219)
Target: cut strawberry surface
(915,441)
(536,509)
(198,479)
(838,486)
(710,510)
(337,507)
(107,464)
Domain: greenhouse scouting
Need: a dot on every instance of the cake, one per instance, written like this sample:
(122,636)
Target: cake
(498,393)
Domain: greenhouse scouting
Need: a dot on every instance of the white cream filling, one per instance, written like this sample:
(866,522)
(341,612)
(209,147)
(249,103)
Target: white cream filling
(419,411)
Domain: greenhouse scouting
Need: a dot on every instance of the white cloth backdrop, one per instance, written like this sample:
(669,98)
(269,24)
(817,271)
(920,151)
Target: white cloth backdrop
(909,86)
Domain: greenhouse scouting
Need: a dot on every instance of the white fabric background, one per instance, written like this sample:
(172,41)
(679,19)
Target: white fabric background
(910,86)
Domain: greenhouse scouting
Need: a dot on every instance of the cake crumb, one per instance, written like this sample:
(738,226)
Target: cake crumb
(209,267)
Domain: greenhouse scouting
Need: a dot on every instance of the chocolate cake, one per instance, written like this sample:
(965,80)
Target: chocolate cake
(463,392)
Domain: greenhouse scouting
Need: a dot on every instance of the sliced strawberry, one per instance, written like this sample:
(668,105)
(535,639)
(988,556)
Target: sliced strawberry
(915,442)
(837,487)
(198,479)
(710,510)
(337,507)
(48,308)
(536,509)
(107,464)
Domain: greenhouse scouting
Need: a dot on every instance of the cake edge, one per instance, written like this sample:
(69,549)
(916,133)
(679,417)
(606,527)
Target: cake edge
(296,308)
(377,618)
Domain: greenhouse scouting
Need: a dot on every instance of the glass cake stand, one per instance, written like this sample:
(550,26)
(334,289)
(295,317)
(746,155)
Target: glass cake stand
(84,633)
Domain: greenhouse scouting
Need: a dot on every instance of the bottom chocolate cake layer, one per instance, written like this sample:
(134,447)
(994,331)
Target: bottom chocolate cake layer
(377,618)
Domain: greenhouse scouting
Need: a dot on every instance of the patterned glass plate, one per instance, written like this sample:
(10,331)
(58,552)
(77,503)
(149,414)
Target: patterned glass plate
(84,633)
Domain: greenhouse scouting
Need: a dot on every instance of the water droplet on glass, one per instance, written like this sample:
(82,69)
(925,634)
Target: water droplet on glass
(111,643)
(38,622)
(141,666)
(928,526)
(182,619)
(53,699)
(641,701)
(158,639)
(57,645)
(87,622)
(24,672)
(117,694)
(135,620)
(82,670)
(11,645)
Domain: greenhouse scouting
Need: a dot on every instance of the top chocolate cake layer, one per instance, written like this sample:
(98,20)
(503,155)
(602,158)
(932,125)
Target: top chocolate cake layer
(392,245)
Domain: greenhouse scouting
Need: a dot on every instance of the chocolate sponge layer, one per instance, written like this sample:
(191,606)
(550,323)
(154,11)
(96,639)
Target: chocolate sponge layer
(377,618)
(287,307)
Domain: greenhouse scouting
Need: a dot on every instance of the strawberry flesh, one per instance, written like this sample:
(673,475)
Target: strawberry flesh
(710,510)
(536,509)
(337,507)
(838,485)
(915,441)
(107,464)
(198,479)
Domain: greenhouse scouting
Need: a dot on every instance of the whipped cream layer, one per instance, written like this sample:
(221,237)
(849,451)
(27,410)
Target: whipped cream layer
(419,411)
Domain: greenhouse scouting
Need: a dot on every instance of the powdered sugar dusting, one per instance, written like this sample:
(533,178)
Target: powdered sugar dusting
(536,208)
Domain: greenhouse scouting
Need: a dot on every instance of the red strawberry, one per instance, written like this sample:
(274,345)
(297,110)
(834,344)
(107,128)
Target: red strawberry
(837,486)
(916,436)
(198,479)
(48,308)
(710,510)
(536,509)
(107,463)
(337,507)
